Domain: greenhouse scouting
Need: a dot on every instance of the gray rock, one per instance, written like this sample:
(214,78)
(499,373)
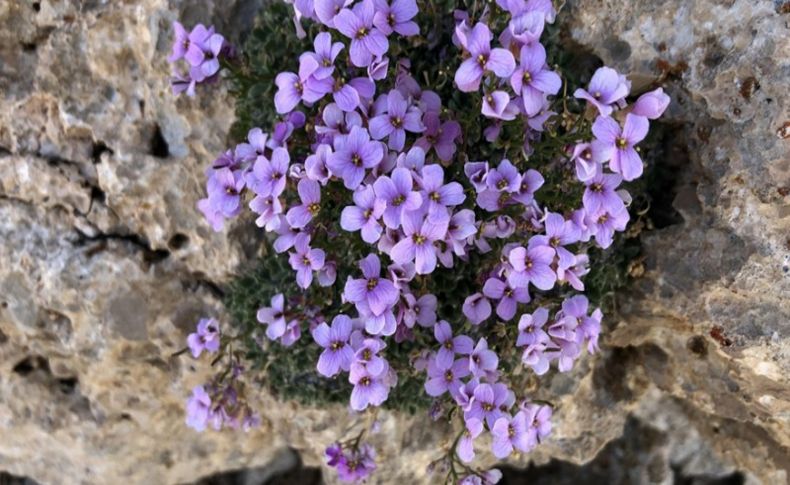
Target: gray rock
(105,265)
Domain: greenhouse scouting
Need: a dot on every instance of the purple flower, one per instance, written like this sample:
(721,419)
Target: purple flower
(530,328)
(205,338)
(440,136)
(465,448)
(286,236)
(367,356)
(531,181)
(378,293)
(180,83)
(508,297)
(274,317)
(377,70)
(449,345)
(448,379)
(396,17)
(600,192)
(188,45)
(538,419)
(504,178)
(349,95)
(482,360)
(315,164)
(337,122)
(532,265)
(525,28)
(606,88)
(497,105)
(460,229)
(651,104)
(224,188)
(559,233)
(617,145)
(334,454)
(418,242)
(482,58)
(532,80)
(604,222)
(588,161)
(325,54)
(477,173)
(326,10)
(420,310)
(305,260)
(337,353)
(310,194)
(255,148)
(292,88)
(367,41)
(590,329)
(270,177)
(535,357)
(358,465)
(268,208)
(396,192)
(486,403)
(476,308)
(292,333)
(369,389)
(353,155)
(509,433)
(399,117)
(328,274)
(574,274)
(212,49)
(438,194)
(365,214)
(198,409)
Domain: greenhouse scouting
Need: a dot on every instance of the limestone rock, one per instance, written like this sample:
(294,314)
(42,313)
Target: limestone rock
(105,264)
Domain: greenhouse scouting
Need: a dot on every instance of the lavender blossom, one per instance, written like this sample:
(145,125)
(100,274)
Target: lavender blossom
(418,243)
(205,338)
(606,88)
(364,215)
(274,317)
(396,192)
(353,155)
(617,145)
(439,136)
(508,297)
(482,58)
(441,380)
(310,195)
(532,265)
(337,354)
(305,260)
(465,448)
(449,345)
(367,41)
(532,80)
(396,16)
(379,294)
(510,433)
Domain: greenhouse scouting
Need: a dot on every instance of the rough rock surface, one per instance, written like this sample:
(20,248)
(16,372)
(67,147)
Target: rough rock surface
(105,265)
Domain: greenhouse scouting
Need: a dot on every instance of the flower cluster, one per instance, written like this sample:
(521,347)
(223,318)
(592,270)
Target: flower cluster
(354,463)
(362,187)
(221,404)
(201,49)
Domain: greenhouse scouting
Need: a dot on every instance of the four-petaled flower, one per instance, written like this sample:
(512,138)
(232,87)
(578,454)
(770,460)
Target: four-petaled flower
(337,353)
(310,194)
(482,58)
